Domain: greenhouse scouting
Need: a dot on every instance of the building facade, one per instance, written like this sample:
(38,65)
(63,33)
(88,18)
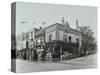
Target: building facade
(62,39)
(57,39)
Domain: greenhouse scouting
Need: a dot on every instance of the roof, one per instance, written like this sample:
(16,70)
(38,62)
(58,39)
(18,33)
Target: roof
(36,29)
(52,25)
(39,33)
(71,29)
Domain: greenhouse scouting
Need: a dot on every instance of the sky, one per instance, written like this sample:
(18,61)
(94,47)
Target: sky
(33,14)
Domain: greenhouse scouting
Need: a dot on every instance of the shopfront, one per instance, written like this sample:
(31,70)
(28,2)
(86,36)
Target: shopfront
(61,48)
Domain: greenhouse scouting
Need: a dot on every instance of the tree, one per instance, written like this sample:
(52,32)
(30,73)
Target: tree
(86,30)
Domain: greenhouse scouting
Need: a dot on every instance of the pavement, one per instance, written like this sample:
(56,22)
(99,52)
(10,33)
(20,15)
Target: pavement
(78,63)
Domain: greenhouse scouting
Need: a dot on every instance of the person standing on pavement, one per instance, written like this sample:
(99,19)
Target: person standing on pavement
(35,57)
(43,55)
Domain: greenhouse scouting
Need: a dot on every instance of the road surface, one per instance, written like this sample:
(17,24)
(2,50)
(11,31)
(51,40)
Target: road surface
(78,63)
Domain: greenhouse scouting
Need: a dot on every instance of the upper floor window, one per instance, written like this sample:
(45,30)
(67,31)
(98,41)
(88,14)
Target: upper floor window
(70,38)
(77,41)
(27,37)
(23,38)
(27,44)
(31,40)
(36,42)
(50,37)
(41,41)
(31,34)
(65,37)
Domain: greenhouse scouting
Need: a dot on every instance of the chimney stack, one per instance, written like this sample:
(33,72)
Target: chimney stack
(76,24)
(63,21)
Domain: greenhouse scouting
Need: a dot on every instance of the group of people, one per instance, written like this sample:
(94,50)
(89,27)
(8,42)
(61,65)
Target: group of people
(54,56)
(36,56)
